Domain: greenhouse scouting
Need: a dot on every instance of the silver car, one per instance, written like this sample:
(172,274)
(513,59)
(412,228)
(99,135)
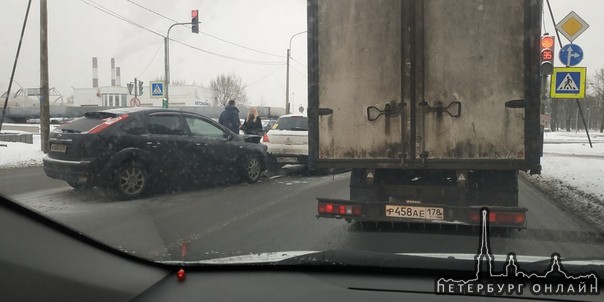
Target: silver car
(287,141)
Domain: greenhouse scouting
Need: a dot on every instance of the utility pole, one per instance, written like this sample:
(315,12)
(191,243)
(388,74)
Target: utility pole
(167,64)
(195,29)
(287,73)
(287,85)
(44,93)
(12,75)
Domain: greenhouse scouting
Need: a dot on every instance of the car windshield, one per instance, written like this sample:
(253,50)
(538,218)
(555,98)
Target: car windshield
(407,126)
(299,123)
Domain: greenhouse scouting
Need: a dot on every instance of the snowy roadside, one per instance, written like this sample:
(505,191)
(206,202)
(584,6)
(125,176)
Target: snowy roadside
(20,155)
(573,174)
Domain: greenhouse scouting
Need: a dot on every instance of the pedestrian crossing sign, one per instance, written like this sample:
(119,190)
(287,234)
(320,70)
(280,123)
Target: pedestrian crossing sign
(157,89)
(568,83)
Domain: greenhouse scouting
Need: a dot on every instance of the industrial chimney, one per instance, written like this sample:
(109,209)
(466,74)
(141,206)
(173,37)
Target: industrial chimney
(118,78)
(112,72)
(95,73)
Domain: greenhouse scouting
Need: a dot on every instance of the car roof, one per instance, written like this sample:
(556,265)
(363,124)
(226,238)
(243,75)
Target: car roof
(138,109)
(294,115)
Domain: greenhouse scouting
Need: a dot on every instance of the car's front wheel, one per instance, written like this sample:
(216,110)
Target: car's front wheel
(131,181)
(251,169)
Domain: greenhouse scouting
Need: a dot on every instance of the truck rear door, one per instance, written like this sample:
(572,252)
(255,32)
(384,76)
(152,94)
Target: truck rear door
(435,83)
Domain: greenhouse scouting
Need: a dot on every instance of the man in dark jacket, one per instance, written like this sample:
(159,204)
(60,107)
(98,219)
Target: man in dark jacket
(230,117)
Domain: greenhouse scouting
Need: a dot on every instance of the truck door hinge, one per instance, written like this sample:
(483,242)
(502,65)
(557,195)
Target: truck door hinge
(374,113)
(515,104)
(453,109)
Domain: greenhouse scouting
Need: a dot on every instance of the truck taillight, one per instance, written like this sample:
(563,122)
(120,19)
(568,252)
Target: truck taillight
(339,209)
(108,122)
(265,138)
(501,217)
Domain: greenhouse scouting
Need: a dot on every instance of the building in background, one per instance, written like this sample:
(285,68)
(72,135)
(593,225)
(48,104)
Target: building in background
(119,96)
(115,96)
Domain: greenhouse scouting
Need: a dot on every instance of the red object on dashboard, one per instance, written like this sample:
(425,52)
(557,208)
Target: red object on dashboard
(180,274)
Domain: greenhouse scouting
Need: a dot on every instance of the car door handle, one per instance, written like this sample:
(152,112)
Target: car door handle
(200,145)
(153,144)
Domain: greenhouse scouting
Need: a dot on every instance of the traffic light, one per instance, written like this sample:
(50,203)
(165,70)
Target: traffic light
(140,87)
(547,44)
(195,21)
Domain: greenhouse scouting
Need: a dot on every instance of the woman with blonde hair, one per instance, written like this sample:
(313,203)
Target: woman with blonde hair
(253,124)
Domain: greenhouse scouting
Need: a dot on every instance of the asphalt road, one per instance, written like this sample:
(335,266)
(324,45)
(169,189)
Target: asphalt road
(277,215)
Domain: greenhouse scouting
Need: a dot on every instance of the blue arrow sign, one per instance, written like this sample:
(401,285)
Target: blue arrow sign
(571,54)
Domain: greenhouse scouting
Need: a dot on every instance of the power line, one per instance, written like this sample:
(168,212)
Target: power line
(116,15)
(229,57)
(245,47)
(209,35)
(154,12)
(291,58)
(298,71)
(153,58)
(264,77)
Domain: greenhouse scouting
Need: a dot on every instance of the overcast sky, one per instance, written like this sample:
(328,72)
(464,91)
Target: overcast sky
(80,30)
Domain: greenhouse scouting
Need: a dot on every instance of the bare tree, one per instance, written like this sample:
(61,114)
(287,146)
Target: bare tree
(229,87)
(597,86)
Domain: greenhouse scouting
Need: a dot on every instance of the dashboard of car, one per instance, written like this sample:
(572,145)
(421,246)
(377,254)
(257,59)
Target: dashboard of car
(42,260)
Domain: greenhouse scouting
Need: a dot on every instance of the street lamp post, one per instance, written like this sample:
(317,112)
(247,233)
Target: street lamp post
(287,73)
(193,22)
(167,60)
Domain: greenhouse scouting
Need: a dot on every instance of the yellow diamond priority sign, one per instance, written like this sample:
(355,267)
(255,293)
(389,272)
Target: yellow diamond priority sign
(572,26)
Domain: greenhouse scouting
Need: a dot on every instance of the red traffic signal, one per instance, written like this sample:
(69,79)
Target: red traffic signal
(547,44)
(195,21)
(547,41)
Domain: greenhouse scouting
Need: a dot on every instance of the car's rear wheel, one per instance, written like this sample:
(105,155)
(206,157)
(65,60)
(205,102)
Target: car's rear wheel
(131,181)
(251,169)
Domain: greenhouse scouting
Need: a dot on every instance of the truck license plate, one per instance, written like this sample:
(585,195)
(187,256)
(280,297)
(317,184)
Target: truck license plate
(426,213)
(287,160)
(60,148)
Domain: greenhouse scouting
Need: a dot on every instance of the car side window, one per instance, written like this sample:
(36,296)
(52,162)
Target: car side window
(135,127)
(199,127)
(165,124)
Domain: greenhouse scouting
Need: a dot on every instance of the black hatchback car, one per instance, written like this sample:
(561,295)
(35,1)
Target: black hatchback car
(130,150)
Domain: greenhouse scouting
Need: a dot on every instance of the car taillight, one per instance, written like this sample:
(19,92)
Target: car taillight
(107,122)
(265,138)
(339,209)
(501,217)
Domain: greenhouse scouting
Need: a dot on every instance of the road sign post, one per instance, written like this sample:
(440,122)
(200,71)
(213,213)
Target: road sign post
(563,83)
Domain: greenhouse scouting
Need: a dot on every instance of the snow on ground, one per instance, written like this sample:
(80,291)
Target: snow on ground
(18,155)
(573,173)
